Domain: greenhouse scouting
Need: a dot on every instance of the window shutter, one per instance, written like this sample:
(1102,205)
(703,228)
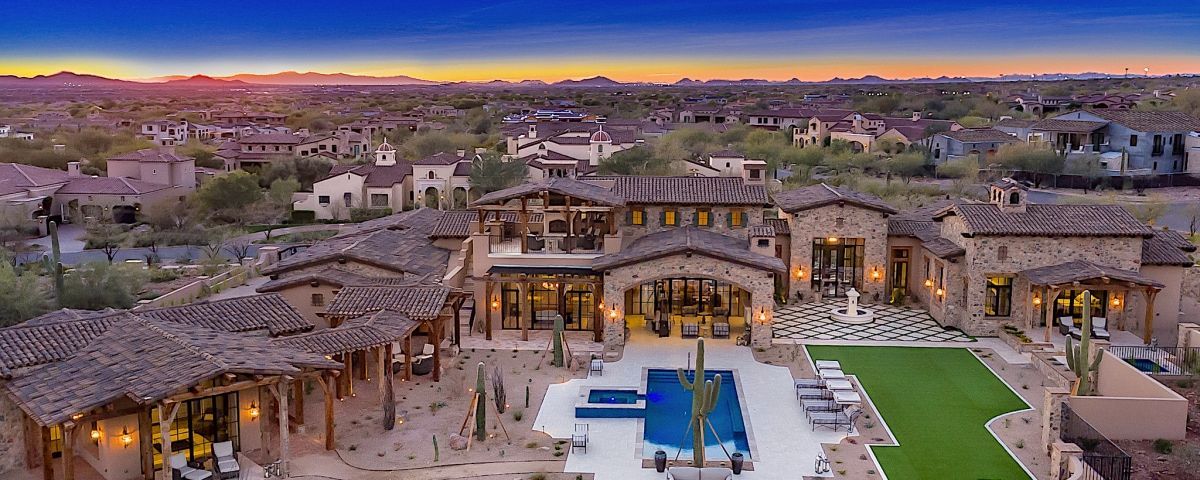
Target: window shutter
(729,219)
(662,217)
(696,217)
(629,217)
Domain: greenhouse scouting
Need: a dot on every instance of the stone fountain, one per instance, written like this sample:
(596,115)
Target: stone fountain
(851,313)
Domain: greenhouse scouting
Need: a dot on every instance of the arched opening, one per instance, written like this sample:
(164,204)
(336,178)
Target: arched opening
(459,198)
(124,214)
(857,147)
(432,197)
(663,306)
(1014,198)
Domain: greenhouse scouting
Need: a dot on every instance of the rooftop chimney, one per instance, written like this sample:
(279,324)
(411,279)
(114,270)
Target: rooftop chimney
(916,116)
(73,169)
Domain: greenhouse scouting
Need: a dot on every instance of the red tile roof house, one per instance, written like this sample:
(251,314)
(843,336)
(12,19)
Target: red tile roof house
(33,192)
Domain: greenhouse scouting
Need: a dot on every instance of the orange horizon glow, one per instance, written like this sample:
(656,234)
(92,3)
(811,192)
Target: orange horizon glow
(635,69)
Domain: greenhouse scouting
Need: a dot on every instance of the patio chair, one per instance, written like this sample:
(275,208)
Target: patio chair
(808,383)
(1100,328)
(835,419)
(579,439)
(690,329)
(819,405)
(813,393)
(535,244)
(596,367)
(1066,326)
(720,329)
(180,470)
(828,365)
(694,473)
(224,461)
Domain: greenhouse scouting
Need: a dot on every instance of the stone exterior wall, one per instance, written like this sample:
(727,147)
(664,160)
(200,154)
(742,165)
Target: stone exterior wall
(759,283)
(823,222)
(12,437)
(687,216)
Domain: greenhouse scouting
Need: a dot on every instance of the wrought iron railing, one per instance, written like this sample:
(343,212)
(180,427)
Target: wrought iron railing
(1104,459)
(1161,360)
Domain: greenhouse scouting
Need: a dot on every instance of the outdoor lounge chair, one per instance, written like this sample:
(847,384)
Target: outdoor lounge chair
(828,365)
(720,329)
(835,419)
(535,244)
(813,393)
(808,383)
(694,473)
(690,329)
(579,439)
(224,461)
(819,405)
(596,367)
(1100,328)
(180,470)
(1066,326)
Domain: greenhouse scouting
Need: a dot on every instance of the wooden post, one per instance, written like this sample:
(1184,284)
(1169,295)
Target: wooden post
(526,309)
(349,373)
(47,455)
(1148,331)
(298,395)
(381,365)
(363,369)
(408,358)
(326,381)
(457,305)
(32,432)
(599,319)
(570,224)
(1048,305)
(164,434)
(146,443)
(284,450)
(435,335)
(68,450)
(389,394)
(562,297)
(487,305)
(522,235)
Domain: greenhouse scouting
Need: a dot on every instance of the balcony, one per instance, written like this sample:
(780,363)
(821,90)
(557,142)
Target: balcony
(548,244)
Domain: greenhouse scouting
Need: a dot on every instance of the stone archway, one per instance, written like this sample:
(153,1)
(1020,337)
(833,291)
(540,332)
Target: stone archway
(458,198)
(759,283)
(432,197)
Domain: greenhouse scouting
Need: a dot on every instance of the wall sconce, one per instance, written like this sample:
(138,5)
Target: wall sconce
(613,314)
(762,315)
(96,436)
(798,273)
(496,303)
(253,411)
(1116,301)
(832,239)
(1037,300)
(928,283)
(126,438)
(876,274)
(940,292)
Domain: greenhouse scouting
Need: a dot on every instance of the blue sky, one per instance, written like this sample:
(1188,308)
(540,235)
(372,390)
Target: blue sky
(521,38)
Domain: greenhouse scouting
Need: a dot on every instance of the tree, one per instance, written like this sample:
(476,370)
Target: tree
(99,285)
(908,165)
(305,170)
(634,161)
(491,173)
(225,197)
(106,236)
(20,296)
(1147,212)
(1031,159)
(14,233)
(1086,166)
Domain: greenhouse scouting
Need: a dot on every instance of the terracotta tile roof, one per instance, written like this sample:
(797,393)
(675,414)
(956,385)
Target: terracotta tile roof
(1049,220)
(49,338)
(329,276)
(1167,247)
(1150,121)
(562,186)
(371,330)
(272,138)
(1070,126)
(419,302)
(109,186)
(1080,271)
(151,155)
(146,360)
(779,225)
(942,247)
(819,195)
(979,135)
(689,240)
(440,158)
(268,312)
(16,177)
(1015,123)
(688,190)
(457,223)
(399,243)
(762,230)
(376,175)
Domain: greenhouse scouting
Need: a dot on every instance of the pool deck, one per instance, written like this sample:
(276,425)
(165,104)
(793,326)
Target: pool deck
(782,441)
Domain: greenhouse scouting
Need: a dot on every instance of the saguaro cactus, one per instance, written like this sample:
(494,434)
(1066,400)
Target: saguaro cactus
(481,405)
(558,344)
(704,399)
(56,264)
(1077,356)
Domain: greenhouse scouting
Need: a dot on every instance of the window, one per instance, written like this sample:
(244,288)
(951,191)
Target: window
(670,217)
(703,217)
(1133,140)
(755,174)
(637,216)
(737,218)
(937,153)
(323,200)
(347,199)
(1002,253)
(318,299)
(1159,144)
(1177,144)
(998,298)
(379,200)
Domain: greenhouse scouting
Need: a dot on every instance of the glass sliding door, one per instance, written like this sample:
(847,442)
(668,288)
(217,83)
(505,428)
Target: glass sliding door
(199,424)
(837,265)
(1070,304)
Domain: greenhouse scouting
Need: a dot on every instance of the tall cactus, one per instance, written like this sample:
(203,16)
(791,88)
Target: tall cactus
(558,344)
(481,405)
(1077,356)
(56,267)
(704,400)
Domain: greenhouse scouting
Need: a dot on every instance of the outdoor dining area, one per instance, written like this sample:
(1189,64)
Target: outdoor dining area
(830,400)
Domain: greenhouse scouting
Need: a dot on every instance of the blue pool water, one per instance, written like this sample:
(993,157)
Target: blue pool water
(613,397)
(668,410)
(1146,365)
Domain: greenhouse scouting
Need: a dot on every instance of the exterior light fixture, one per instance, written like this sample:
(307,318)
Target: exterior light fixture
(253,411)
(876,273)
(1037,300)
(1116,301)
(928,283)
(940,292)
(832,239)
(798,273)
(96,436)
(126,438)
(496,303)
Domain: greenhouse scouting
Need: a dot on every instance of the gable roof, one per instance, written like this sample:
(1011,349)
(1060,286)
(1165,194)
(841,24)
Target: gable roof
(1150,121)
(16,177)
(399,243)
(689,240)
(559,185)
(979,135)
(371,330)
(1048,220)
(1072,126)
(819,195)
(109,186)
(419,302)
(329,276)
(440,158)
(1167,247)
(687,190)
(151,155)
(268,312)
(1079,271)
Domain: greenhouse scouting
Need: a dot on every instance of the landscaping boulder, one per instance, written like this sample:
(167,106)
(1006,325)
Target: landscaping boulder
(458,442)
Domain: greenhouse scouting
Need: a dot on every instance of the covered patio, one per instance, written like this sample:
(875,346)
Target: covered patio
(1056,291)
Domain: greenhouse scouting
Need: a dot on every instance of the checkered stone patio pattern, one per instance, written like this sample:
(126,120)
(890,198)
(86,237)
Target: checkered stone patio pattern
(811,321)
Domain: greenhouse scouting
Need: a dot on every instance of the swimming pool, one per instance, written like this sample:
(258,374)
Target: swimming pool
(668,411)
(614,397)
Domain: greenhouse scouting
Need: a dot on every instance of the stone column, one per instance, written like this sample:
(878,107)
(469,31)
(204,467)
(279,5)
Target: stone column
(1061,454)
(1052,415)
(762,317)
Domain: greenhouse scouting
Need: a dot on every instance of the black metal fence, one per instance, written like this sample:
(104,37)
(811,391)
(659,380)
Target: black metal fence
(1161,360)
(1106,460)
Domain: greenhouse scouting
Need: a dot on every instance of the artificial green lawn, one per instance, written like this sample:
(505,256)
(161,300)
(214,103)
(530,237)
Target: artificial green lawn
(936,401)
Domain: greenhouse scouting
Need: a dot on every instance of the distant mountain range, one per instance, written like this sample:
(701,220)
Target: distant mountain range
(69,79)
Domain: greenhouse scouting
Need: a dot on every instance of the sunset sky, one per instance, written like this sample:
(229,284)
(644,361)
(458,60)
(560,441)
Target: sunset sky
(642,40)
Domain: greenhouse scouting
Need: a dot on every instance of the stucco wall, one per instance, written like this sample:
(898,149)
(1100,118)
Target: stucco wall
(1131,405)
(823,222)
(1166,303)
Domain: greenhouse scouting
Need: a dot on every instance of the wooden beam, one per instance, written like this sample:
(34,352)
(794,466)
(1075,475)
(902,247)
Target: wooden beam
(214,391)
(349,356)
(146,443)
(436,337)
(164,434)
(47,455)
(284,448)
(389,393)
(1148,331)
(1048,304)
(408,357)
(327,387)
(32,434)
(68,450)
(487,305)
(525,310)
(298,395)
(521,235)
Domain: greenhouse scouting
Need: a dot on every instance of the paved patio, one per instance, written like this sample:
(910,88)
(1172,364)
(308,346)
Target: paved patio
(782,442)
(811,321)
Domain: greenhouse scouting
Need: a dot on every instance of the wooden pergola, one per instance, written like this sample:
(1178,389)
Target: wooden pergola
(1049,282)
(525,278)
